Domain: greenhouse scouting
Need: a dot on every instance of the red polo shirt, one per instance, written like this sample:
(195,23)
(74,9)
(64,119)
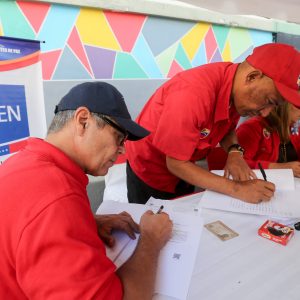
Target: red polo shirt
(261,145)
(48,236)
(187,116)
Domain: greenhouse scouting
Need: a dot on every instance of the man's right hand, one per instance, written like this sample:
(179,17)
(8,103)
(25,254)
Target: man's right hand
(156,228)
(253,191)
(138,272)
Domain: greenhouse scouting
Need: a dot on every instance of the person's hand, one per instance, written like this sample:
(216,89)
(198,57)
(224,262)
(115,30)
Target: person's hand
(294,165)
(122,221)
(156,228)
(253,191)
(237,167)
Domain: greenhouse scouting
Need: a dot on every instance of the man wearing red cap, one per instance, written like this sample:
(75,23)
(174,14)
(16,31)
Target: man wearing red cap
(199,108)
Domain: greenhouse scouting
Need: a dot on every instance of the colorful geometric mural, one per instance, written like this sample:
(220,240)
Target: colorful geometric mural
(87,43)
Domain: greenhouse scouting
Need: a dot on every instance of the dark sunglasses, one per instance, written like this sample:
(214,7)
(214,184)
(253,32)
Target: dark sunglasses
(117,127)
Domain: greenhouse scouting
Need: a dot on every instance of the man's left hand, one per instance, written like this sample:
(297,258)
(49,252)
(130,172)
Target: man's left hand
(122,221)
(237,167)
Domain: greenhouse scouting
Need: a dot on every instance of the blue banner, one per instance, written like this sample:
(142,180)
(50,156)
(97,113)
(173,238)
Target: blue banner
(13,113)
(22,109)
(11,49)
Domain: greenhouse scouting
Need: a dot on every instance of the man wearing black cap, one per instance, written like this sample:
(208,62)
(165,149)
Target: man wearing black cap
(199,108)
(49,241)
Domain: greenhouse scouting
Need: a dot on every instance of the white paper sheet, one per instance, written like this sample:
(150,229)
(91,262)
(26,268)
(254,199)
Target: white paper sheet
(177,258)
(282,178)
(285,202)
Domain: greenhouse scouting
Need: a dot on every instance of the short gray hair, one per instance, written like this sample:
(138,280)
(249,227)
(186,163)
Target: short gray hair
(100,122)
(61,118)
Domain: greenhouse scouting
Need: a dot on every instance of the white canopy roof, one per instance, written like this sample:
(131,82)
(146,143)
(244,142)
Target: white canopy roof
(285,10)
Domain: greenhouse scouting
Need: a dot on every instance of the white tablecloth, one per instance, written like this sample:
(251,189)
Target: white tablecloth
(245,267)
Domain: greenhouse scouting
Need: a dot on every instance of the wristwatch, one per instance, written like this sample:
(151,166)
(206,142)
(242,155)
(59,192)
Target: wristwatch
(238,148)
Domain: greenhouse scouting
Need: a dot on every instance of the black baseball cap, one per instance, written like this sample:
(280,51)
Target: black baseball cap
(102,98)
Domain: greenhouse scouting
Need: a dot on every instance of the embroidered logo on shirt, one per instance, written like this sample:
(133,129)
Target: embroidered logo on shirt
(204,133)
(266,133)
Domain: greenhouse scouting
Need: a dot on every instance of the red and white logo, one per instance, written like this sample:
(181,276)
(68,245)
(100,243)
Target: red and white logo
(266,133)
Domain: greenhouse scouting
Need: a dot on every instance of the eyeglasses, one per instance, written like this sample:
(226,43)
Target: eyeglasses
(122,141)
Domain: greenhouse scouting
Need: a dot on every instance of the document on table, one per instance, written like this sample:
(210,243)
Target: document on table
(282,178)
(285,202)
(177,258)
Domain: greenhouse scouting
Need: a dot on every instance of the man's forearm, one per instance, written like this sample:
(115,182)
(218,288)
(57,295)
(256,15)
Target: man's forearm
(253,191)
(229,139)
(138,273)
(200,177)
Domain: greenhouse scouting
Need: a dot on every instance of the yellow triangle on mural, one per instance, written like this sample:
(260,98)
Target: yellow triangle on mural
(1,30)
(226,54)
(193,39)
(91,21)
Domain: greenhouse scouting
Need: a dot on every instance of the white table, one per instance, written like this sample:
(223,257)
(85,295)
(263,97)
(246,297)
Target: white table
(245,267)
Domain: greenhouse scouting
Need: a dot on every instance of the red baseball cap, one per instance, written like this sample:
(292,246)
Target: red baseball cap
(281,63)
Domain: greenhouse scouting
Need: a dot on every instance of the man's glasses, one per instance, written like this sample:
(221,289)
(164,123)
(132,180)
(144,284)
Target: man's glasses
(118,128)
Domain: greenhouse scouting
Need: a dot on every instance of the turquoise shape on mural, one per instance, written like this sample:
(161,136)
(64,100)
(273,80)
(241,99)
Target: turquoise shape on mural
(141,52)
(240,41)
(182,58)
(164,59)
(200,57)
(244,55)
(69,67)
(127,67)
(58,26)
(221,33)
(14,23)
(260,37)
(161,33)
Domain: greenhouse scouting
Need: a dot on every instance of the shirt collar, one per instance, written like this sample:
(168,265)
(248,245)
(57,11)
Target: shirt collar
(59,158)
(223,100)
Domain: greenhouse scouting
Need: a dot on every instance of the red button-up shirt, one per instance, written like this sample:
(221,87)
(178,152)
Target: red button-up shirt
(187,116)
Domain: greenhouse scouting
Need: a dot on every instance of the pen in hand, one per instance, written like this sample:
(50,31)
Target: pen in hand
(262,172)
(160,209)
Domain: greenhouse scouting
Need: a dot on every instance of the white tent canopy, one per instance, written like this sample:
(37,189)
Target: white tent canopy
(267,15)
(287,10)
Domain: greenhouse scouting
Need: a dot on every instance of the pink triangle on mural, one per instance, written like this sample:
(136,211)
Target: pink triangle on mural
(210,44)
(34,12)
(126,27)
(175,68)
(76,45)
(49,62)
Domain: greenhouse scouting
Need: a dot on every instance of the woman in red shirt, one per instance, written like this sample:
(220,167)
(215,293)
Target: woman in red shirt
(274,141)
